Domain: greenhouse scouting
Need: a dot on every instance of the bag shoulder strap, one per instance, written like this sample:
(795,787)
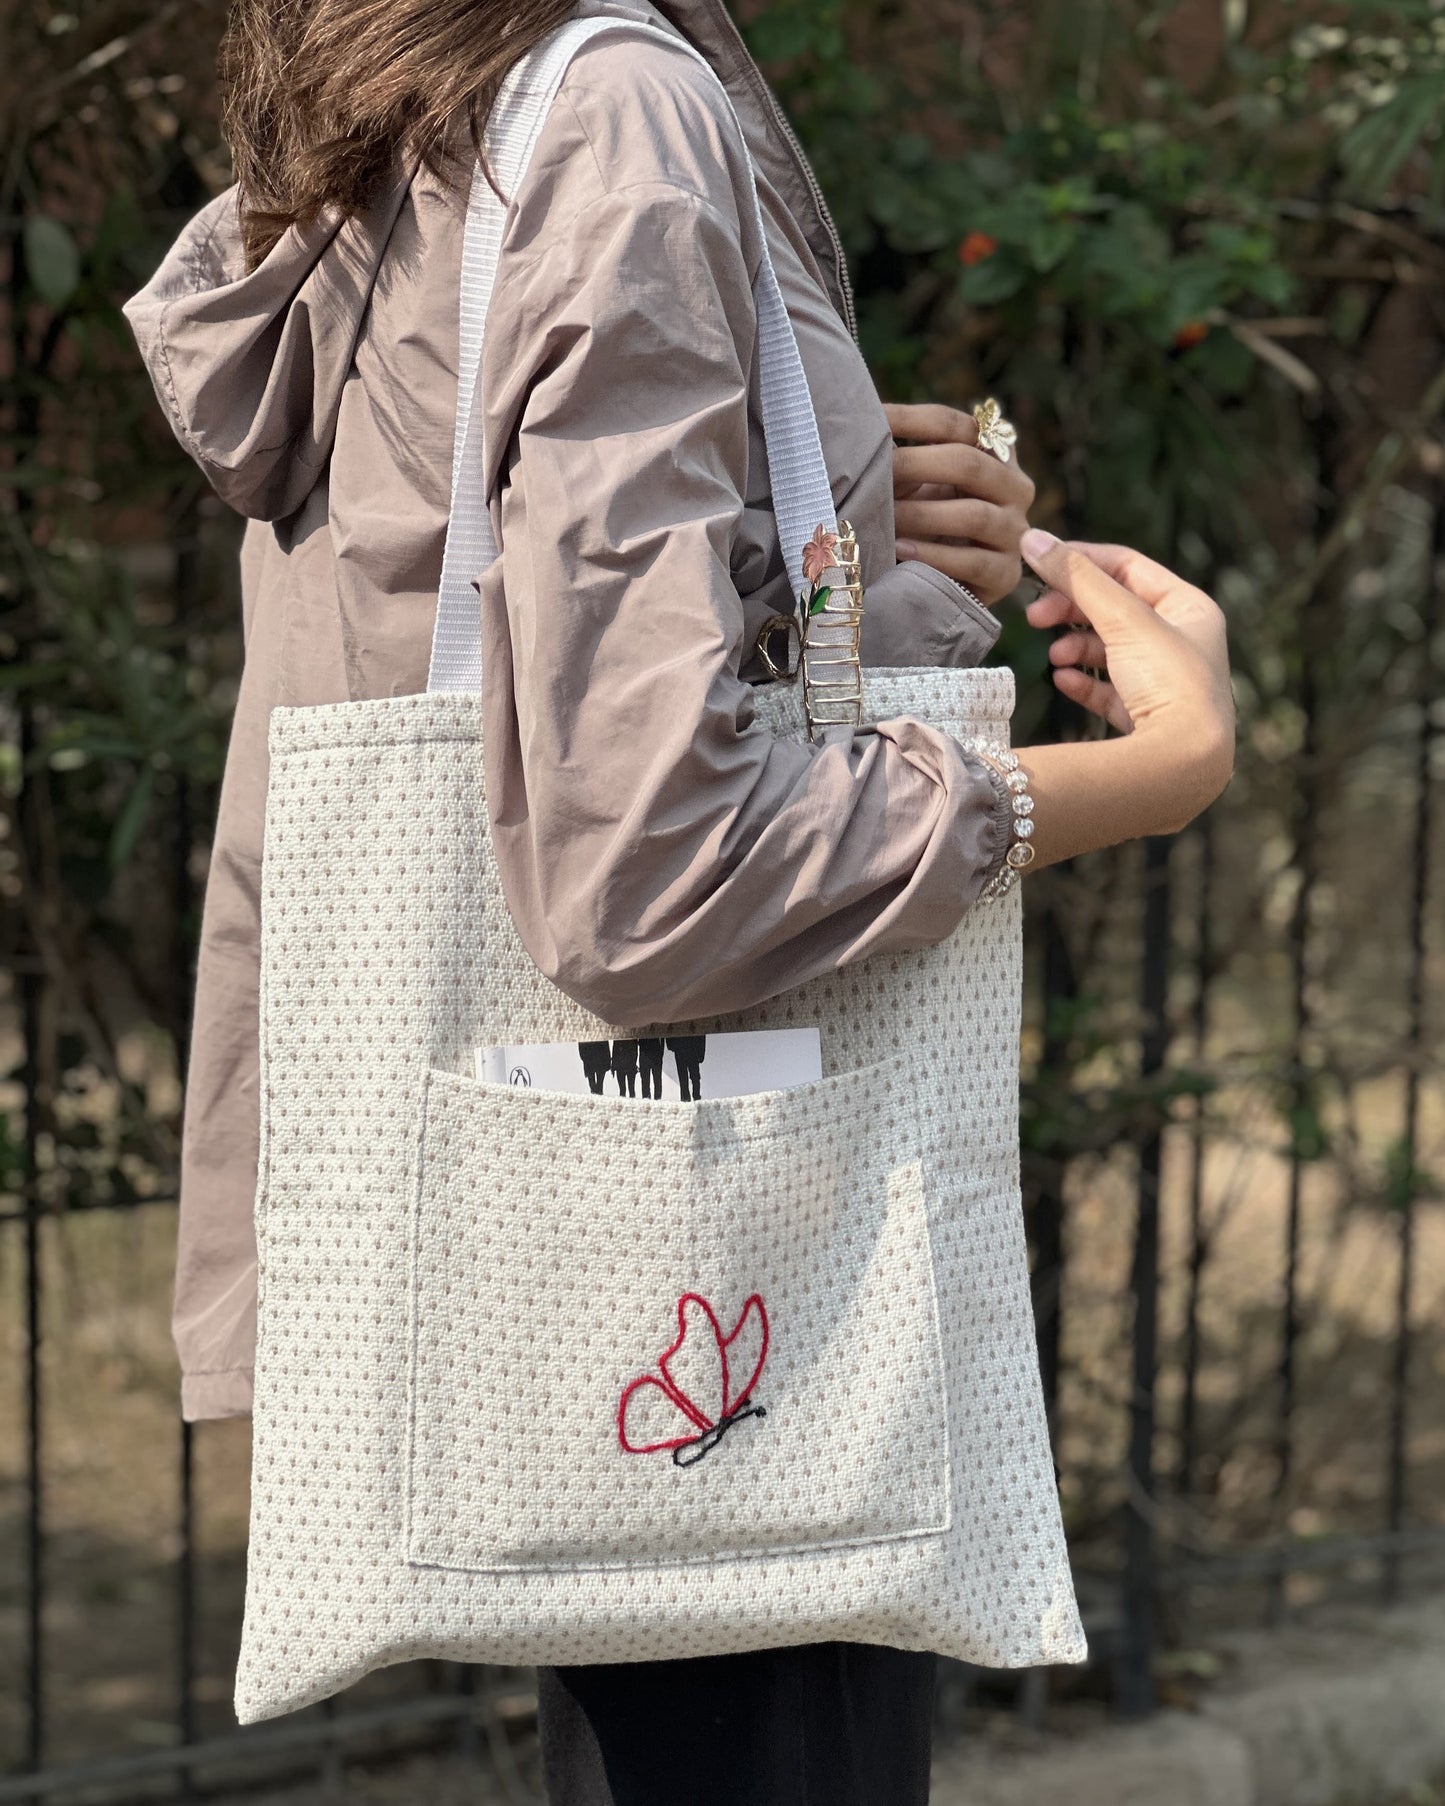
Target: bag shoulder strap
(798,476)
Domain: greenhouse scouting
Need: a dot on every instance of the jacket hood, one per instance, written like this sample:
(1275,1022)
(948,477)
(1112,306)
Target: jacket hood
(250,367)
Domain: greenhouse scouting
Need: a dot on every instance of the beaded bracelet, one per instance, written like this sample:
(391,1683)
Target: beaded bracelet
(1021,851)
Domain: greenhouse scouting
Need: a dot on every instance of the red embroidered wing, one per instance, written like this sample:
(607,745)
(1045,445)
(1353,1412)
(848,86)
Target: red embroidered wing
(705,1376)
(650,1418)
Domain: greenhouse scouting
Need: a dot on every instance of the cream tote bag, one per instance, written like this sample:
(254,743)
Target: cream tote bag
(554,1378)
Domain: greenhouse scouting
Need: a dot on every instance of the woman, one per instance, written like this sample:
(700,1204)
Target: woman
(661,856)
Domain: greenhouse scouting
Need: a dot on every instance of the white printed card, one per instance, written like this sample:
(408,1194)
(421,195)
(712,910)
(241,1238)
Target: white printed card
(678,1067)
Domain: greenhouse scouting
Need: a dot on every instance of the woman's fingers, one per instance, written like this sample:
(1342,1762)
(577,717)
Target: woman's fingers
(987,560)
(1149,581)
(1165,650)
(1104,603)
(924,492)
(1053,609)
(965,468)
(1096,694)
(1168,685)
(1077,649)
(1079,646)
(985,523)
(990,575)
(1103,573)
(930,422)
(957,508)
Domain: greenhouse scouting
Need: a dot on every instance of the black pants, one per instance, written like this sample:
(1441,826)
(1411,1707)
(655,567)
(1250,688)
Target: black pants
(830,1724)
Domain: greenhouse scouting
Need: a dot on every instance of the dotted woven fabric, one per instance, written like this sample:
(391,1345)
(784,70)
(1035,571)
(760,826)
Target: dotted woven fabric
(543,1378)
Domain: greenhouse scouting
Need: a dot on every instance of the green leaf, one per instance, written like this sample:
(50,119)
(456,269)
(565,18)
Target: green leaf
(31,476)
(820,597)
(782,33)
(1074,196)
(30,674)
(993,281)
(1404,1180)
(1376,150)
(131,819)
(1227,367)
(1309,1139)
(52,258)
(1050,243)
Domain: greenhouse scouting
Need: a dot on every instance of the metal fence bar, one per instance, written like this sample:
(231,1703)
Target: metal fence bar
(1306,858)
(1136,1667)
(1198,1236)
(32,986)
(1415,1051)
(34,1522)
(329,1771)
(468,1742)
(1059,986)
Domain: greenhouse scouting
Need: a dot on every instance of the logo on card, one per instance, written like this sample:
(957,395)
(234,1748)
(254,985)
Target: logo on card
(702,1386)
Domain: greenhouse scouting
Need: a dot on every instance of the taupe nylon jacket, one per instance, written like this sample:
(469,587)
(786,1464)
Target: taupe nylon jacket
(662,857)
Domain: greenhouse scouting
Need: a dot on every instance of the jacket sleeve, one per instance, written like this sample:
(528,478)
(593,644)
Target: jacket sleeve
(917,616)
(661,854)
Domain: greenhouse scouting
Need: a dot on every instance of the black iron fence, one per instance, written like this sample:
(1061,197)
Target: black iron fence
(1233,1122)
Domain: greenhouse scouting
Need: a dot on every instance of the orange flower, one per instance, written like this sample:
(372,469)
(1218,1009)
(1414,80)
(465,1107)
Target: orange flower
(1192,332)
(818,553)
(977,247)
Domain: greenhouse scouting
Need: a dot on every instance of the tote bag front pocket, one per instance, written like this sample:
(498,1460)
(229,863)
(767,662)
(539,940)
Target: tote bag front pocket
(647,1332)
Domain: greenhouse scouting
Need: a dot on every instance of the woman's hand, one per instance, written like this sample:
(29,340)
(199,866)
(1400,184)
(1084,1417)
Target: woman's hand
(1167,691)
(956,507)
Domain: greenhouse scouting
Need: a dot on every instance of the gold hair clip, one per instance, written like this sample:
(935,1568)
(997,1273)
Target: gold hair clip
(826,627)
(831,628)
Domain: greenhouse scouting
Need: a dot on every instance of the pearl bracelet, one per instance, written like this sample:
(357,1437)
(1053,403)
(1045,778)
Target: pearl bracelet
(1021,851)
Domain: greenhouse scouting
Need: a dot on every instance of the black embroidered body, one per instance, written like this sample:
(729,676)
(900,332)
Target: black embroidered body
(688,1454)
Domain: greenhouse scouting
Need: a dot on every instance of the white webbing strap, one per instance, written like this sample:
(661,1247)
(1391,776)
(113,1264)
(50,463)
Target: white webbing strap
(797,473)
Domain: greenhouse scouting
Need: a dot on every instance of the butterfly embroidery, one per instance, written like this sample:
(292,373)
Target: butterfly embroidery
(702,1387)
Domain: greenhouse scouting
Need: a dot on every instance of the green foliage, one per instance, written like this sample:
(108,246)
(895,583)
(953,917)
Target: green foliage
(123,707)
(1086,1104)
(118,635)
(1309,1138)
(1144,269)
(1406,1181)
(1096,258)
(1382,87)
(52,258)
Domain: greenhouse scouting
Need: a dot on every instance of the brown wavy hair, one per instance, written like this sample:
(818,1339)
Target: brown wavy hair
(322,95)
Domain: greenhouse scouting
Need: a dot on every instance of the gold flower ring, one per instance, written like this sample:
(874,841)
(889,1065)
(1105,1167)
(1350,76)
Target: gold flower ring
(995,434)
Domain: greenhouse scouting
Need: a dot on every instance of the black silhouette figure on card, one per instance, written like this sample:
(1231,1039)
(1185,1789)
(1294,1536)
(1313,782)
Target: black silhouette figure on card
(596,1062)
(649,1055)
(624,1067)
(689,1052)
